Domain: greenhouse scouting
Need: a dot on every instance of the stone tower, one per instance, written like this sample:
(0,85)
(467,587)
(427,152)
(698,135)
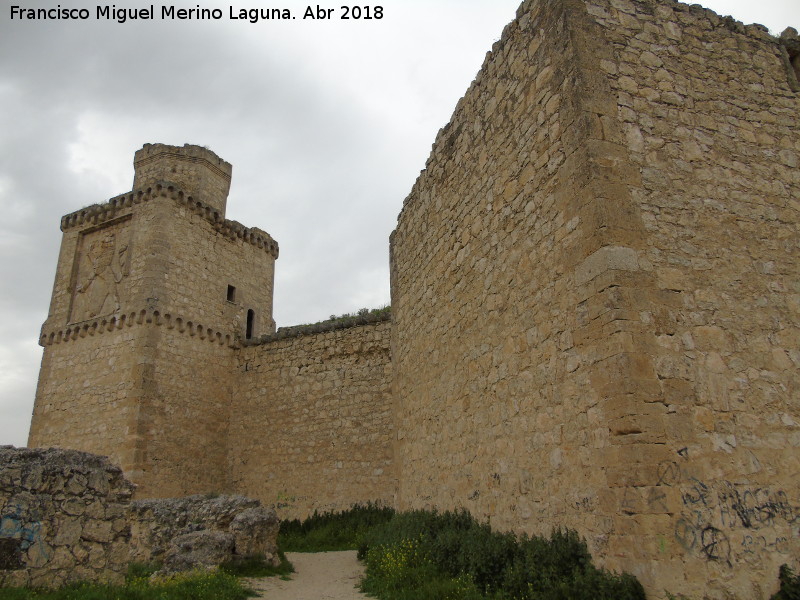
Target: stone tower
(152,292)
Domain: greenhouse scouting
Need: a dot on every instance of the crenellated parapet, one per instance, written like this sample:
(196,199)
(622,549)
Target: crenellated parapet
(143,317)
(98,214)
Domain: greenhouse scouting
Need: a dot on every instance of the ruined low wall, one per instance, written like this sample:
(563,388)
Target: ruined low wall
(62,517)
(182,533)
(67,516)
(311,422)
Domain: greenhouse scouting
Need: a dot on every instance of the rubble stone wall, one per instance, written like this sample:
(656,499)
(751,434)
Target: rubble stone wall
(67,516)
(311,421)
(63,518)
(244,528)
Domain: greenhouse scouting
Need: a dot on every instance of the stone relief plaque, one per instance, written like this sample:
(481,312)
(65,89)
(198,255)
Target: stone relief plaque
(102,264)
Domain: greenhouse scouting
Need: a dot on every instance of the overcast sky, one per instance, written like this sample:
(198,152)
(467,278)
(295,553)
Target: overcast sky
(327,125)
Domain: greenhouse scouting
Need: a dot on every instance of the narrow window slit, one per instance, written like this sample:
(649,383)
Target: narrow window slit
(251,317)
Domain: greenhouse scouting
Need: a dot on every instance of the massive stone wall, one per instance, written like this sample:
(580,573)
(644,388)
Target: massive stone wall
(311,424)
(495,407)
(595,320)
(81,379)
(117,392)
(709,119)
(183,410)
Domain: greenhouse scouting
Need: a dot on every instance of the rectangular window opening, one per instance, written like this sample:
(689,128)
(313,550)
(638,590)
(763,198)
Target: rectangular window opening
(231,294)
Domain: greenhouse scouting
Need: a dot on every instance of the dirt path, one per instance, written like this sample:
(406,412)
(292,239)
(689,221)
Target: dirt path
(317,576)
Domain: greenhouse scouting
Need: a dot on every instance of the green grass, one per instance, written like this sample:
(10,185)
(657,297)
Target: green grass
(256,567)
(190,586)
(331,531)
(221,585)
(362,312)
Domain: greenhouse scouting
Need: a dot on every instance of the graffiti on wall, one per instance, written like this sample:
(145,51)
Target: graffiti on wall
(721,520)
(16,525)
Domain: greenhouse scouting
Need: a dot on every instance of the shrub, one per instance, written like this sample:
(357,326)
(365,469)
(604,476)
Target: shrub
(324,532)
(790,585)
(424,555)
(420,550)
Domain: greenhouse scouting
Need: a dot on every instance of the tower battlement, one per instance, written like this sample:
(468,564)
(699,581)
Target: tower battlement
(194,169)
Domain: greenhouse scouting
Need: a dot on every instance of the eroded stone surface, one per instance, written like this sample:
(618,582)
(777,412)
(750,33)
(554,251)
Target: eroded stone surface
(67,516)
(61,517)
(202,531)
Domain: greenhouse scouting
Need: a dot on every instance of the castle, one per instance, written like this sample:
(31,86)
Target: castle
(595,313)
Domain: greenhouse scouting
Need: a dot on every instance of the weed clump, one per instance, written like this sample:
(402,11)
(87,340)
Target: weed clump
(330,531)
(185,586)
(257,566)
(790,585)
(425,555)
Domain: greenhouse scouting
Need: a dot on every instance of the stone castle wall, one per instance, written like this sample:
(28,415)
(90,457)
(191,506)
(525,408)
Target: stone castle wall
(493,344)
(311,421)
(709,120)
(197,261)
(181,432)
(80,379)
(595,323)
